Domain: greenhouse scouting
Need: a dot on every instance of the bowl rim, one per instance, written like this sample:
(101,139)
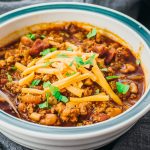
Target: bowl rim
(106,126)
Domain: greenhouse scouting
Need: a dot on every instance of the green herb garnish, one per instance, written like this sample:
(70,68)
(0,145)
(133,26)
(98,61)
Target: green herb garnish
(43,105)
(53,49)
(9,77)
(97,91)
(71,63)
(55,92)
(69,49)
(62,56)
(13,68)
(45,52)
(92,33)
(46,84)
(122,88)
(70,74)
(46,103)
(90,60)
(138,61)
(112,77)
(43,36)
(48,50)
(64,99)
(79,60)
(31,36)
(35,82)
(47,98)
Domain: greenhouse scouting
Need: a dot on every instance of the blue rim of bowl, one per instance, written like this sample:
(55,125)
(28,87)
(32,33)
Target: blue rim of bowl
(137,27)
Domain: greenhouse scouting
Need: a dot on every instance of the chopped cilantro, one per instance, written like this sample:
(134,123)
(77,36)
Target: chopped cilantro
(138,62)
(78,60)
(35,82)
(45,52)
(92,33)
(97,91)
(64,99)
(46,103)
(47,97)
(55,92)
(31,36)
(9,77)
(53,49)
(46,84)
(122,88)
(13,68)
(48,50)
(62,55)
(112,77)
(69,49)
(43,105)
(70,74)
(90,60)
(43,36)
(71,63)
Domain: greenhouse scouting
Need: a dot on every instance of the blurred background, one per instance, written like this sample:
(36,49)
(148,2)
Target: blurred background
(138,138)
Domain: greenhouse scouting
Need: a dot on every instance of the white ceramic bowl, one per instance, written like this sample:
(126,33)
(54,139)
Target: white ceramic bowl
(87,137)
